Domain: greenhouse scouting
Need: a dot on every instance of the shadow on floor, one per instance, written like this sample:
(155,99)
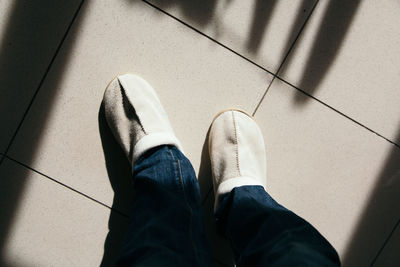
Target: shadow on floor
(380,215)
(326,45)
(205,176)
(199,12)
(331,32)
(220,247)
(28,31)
(120,175)
(263,10)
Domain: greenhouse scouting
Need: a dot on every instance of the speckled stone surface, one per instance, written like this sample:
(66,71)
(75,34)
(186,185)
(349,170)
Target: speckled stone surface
(30,33)
(334,173)
(340,176)
(64,133)
(47,224)
(348,56)
(262,31)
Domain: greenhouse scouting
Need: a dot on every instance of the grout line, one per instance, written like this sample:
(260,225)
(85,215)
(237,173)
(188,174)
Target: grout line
(286,56)
(263,96)
(67,186)
(43,79)
(207,36)
(87,196)
(385,243)
(297,37)
(339,112)
(274,75)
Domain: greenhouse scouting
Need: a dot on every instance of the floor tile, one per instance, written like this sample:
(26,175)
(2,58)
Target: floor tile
(65,136)
(329,170)
(390,253)
(348,56)
(45,224)
(260,30)
(30,33)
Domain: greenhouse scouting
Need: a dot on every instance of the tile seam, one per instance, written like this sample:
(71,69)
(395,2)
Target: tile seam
(262,97)
(66,186)
(85,195)
(276,75)
(397,224)
(340,113)
(286,56)
(208,37)
(42,80)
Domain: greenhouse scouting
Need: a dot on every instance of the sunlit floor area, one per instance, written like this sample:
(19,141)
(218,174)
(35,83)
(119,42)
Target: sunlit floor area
(322,79)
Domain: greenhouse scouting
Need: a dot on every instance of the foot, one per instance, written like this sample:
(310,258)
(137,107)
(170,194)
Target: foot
(237,152)
(136,117)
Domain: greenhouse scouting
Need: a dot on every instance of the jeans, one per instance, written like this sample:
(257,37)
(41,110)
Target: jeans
(166,225)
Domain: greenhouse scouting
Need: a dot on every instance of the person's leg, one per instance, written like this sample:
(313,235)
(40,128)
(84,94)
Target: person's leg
(261,232)
(166,225)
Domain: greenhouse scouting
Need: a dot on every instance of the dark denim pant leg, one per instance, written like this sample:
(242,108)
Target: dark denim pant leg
(263,233)
(166,225)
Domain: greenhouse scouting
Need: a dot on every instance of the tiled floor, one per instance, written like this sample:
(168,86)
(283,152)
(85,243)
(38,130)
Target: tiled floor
(330,115)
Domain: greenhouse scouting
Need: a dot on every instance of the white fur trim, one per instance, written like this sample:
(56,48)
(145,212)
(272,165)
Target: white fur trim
(152,140)
(227,186)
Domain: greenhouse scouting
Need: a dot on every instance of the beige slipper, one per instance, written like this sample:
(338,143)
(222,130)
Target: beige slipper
(237,152)
(136,117)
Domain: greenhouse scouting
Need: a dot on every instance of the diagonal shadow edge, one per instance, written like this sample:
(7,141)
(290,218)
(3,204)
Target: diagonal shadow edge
(375,224)
(11,200)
